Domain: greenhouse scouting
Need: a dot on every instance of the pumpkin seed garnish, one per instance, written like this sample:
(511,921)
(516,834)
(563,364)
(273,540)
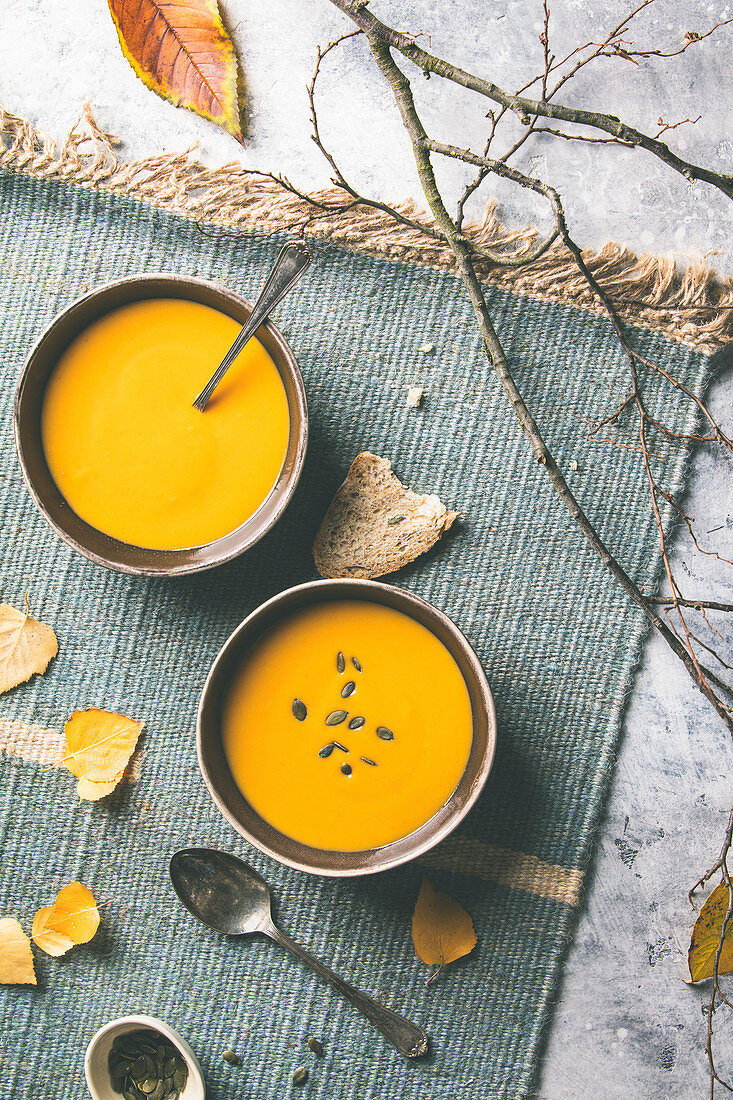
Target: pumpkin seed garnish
(232,1058)
(394,520)
(300,1075)
(357,723)
(338,745)
(366,760)
(315,1046)
(348,689)
(356,664)
(326,750)
(300,710)
(384,733)
(346,769)
(336,717)
(340,662)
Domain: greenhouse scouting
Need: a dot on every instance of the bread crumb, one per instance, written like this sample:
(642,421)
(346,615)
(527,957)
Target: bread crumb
(427,348)
(414,396)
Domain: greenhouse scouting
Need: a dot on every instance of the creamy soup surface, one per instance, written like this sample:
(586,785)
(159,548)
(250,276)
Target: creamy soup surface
(367,778)
(127,449)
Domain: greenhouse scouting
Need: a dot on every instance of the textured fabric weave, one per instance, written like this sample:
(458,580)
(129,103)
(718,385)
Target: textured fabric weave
(558,641)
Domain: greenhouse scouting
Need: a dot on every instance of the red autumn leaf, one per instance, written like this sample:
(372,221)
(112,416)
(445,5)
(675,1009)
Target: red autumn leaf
(181,50)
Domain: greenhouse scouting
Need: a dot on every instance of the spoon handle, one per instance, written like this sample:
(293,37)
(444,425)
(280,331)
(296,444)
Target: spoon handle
(290,264)
(408,1038)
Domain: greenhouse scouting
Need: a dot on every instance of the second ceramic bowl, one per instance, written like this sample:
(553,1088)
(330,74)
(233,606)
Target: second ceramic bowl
(87,540)
(293,853)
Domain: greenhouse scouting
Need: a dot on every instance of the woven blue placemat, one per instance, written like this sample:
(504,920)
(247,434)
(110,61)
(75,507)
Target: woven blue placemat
(558,641)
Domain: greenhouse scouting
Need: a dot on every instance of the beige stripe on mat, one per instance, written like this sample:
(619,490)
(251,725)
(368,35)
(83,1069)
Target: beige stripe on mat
(515,869)
(36,743)
(30,742)
(467,857)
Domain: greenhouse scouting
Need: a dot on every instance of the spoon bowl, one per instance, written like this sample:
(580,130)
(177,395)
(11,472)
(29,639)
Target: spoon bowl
(221,891)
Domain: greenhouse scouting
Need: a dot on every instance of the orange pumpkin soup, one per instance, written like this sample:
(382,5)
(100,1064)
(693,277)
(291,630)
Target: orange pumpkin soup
(129,452)
(347,725)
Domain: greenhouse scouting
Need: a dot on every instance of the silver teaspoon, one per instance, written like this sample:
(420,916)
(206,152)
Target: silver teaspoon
(230,897)
(292,261)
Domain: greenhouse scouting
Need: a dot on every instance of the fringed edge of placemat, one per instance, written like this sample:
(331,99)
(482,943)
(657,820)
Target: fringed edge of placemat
(693,307)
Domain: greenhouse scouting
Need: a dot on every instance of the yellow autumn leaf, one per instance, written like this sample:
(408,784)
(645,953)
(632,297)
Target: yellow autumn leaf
(72,919)
(92,792)
(442,930)
(26,647)
(706,936)
(99,744)
(16,957)
(52,942)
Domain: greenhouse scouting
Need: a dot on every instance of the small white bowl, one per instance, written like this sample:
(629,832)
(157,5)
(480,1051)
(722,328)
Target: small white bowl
(96,1062)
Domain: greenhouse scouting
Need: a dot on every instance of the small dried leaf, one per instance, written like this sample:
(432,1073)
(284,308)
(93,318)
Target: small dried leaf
(16,957)
(99,744)
(26,647)
(72,919)
(706,936)
(52,942)
(183,52)
(92,792)
(442,930)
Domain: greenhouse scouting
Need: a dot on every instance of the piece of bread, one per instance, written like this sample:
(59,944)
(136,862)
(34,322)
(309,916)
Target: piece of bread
(374,525)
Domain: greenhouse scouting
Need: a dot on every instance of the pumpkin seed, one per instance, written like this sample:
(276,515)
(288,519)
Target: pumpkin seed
(232,1058)
(148,1085)
(179,1080)
(300,1075)
(346,769)
(394,520)
(348,689)
(169,1067)
(357,723)
(340,662)
(128,1094)
(299,710)
(336,717)
(366,760)
(315,1046)
(384,733)
(338,745)
(125,1045)
(157,1093)
(139,1069)
(326,750)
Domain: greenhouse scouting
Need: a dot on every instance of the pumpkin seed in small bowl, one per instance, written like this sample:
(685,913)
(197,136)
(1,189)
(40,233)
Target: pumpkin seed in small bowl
(141,1058)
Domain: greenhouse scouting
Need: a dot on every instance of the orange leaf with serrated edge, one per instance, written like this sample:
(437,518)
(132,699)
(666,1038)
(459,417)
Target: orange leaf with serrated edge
(72,919)
(706,936)
(442,930)
(16,957)
(181,50)
(99,744)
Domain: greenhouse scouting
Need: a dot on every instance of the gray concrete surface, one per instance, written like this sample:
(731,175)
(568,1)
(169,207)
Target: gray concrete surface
(626,1026)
